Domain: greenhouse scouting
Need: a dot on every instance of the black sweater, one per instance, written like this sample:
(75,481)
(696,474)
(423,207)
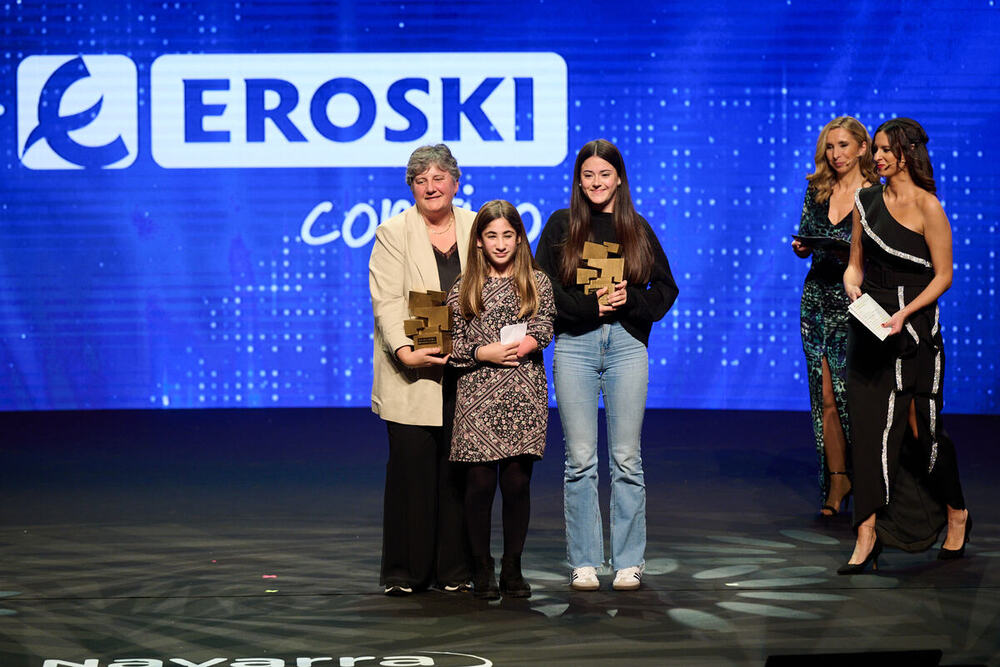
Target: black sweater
(576,312)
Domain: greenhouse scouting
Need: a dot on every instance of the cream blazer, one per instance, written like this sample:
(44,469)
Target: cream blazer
(403,260)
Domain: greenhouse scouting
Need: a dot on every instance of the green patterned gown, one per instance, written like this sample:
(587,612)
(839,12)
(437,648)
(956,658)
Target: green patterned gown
(823,321)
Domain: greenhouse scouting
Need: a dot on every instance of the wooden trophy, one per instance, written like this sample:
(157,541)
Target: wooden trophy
(430,321)
(602,270)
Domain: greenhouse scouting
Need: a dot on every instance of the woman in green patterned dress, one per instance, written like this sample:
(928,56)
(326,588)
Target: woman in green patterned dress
(843,164)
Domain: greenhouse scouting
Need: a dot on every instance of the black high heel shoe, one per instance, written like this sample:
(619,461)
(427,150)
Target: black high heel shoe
(842,505)
(952,554)
(859,568)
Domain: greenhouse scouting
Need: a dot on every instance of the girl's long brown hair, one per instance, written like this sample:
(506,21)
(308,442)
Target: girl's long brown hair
(824,177)
(470,292)
(635,245)
(908,142)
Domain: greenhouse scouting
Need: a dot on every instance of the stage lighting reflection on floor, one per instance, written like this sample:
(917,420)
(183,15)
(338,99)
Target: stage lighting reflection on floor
(549,605)
(809,536)
(792,596)
(699,620)
(751,542)
(8,594)
(742,560)
(776,582)
(657,566)
(863,581)
(551,610)
(768,610)
(726,572)
(799,571)
(716,549)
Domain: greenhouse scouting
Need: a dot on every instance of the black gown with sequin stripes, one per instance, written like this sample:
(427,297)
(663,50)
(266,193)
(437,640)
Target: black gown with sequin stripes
(905,479)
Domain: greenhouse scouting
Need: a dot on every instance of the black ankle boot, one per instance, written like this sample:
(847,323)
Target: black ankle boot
(512,583)
(484,579)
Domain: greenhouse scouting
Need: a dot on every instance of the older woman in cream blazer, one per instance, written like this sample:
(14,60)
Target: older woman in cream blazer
(422,248)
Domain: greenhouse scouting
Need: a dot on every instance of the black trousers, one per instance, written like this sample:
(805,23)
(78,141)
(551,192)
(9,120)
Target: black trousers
(424,539)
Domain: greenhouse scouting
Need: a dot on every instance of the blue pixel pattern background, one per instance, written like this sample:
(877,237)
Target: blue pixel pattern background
(153,287)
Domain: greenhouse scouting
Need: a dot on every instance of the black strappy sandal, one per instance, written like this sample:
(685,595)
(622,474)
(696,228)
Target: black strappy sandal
(834,511)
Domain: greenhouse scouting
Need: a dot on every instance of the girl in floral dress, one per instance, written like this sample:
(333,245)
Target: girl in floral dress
(501,413)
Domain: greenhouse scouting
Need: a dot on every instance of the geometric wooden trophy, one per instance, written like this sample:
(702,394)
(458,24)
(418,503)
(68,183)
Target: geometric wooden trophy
(430,323)
(604,270)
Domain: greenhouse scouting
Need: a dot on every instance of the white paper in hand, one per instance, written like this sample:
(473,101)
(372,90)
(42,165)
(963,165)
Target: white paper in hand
(869,313)
(513,333)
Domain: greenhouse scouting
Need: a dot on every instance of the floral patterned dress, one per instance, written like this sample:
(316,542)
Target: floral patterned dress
(823,322)
(501,411)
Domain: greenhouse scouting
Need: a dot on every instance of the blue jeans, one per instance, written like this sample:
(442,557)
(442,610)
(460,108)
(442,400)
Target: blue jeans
(609,360)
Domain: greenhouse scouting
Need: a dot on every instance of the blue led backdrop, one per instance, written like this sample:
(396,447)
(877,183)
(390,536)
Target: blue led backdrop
(189,189)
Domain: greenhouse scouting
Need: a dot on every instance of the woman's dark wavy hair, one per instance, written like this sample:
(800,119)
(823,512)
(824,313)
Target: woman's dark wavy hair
(629,230)
(908,142)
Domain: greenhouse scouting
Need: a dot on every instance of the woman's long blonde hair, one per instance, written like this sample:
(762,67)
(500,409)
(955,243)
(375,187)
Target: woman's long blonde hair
(823,179)
(470,292)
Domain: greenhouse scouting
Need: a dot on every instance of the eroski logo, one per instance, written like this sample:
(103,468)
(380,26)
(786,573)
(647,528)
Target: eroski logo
(357,109)
(77,112)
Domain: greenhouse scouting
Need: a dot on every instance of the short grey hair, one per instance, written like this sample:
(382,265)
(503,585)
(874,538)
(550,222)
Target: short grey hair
(425,157)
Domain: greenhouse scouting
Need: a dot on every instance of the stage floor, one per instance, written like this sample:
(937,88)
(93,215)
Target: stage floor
(203,535)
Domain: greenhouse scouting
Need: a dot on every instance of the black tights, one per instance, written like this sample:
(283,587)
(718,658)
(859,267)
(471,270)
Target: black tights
(515,485)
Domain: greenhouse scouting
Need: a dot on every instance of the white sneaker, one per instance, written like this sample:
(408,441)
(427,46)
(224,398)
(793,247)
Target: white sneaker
(397,590)
(585,579)
(627,579)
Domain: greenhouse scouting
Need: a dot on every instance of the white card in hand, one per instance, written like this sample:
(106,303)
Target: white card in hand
(869,313)
(513,333)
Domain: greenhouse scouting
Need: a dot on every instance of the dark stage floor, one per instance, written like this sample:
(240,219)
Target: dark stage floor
(200,538)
